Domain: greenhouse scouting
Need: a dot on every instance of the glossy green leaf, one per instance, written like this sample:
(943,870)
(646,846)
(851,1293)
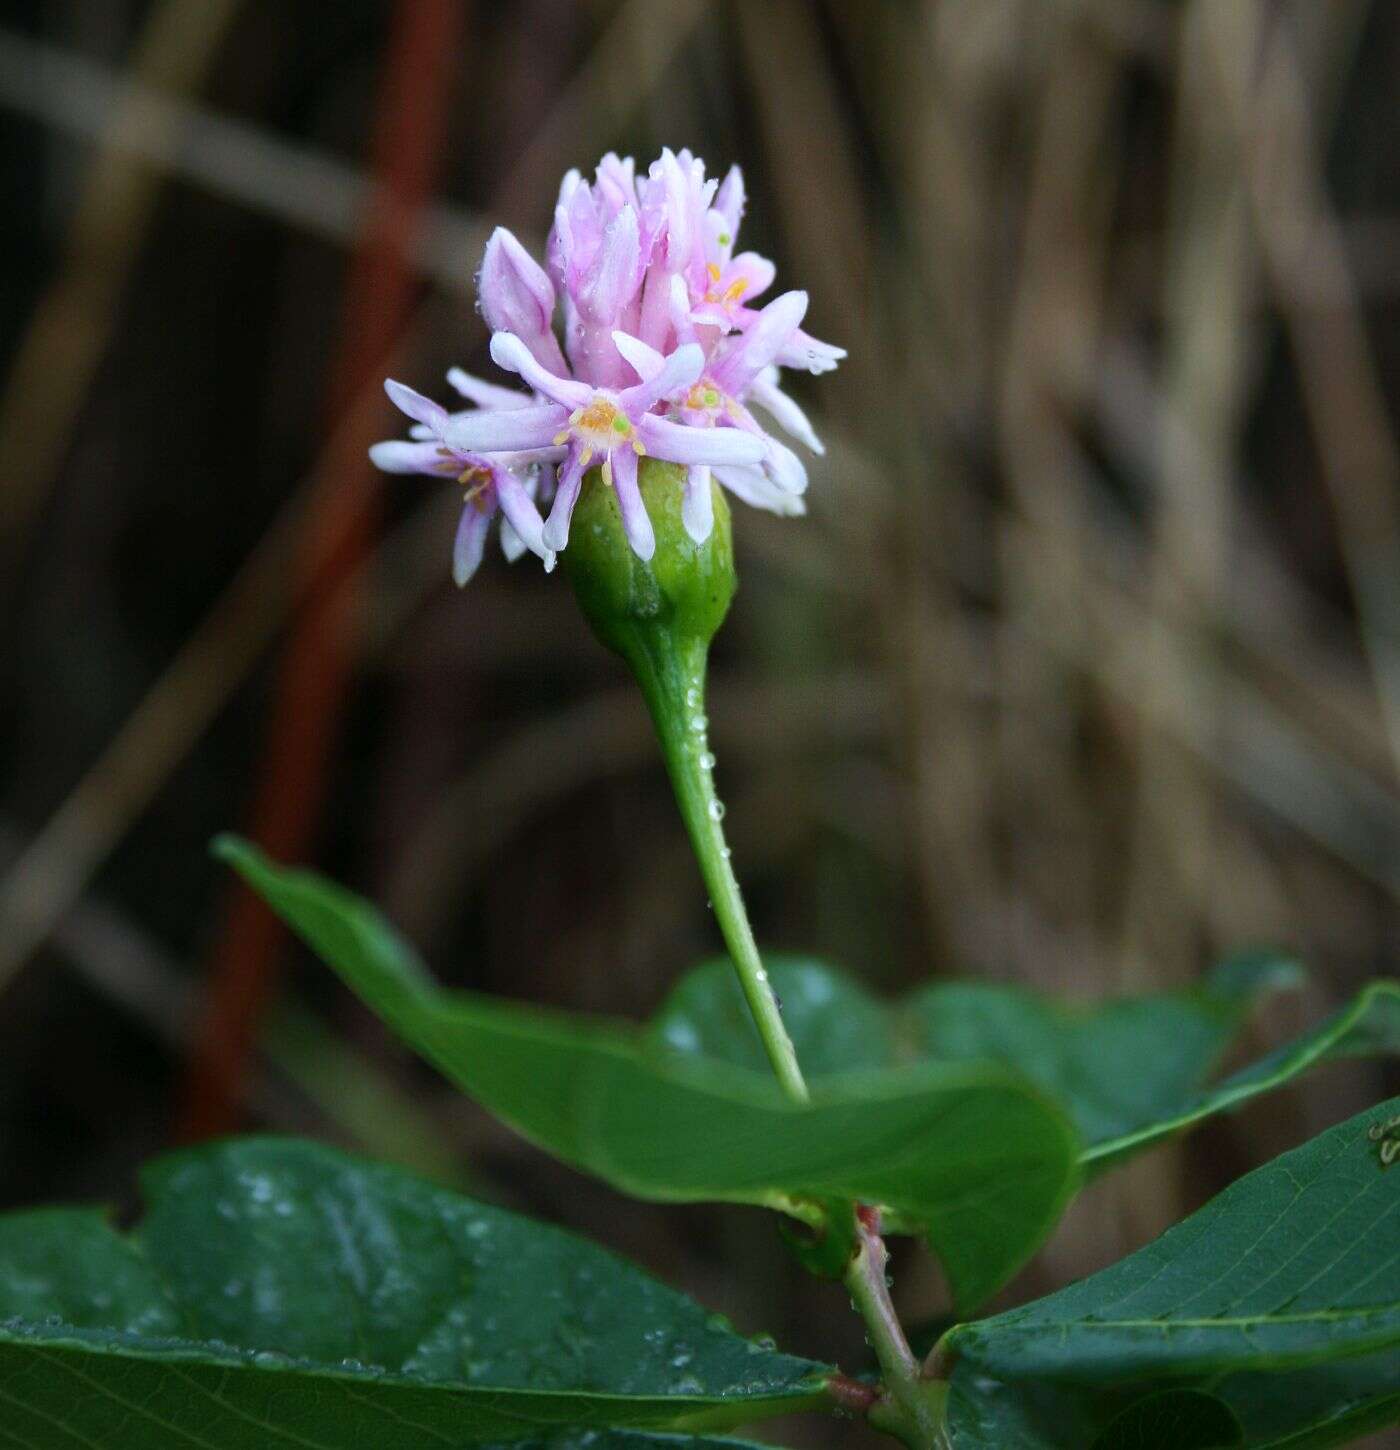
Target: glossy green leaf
(279,1292)
(1128,1070)
(1115,1064)
(1300,1409)
(1281,1298)
(967,1151)
(1368,1026)
(1179,1419)
(835,1024)
(631,1440)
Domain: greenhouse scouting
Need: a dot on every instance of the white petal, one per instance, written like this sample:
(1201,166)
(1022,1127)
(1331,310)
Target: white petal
(785,468)
(396,456)
(679,443)
(698,504)
(756,488)
(644,360)
(486,395)
(492,430)
(469,544)
(679,371)
(420,409)
(769,396)
(509,352)
(636,522)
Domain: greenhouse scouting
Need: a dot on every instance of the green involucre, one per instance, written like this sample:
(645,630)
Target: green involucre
(685,589)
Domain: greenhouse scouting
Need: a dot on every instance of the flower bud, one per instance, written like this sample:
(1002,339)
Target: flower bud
(681,594)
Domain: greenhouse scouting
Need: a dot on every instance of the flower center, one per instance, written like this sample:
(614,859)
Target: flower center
(731,294)
(477,481)
(599,428)
(705,404)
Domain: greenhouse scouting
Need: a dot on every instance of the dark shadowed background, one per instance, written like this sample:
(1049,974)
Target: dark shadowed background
(1083,669)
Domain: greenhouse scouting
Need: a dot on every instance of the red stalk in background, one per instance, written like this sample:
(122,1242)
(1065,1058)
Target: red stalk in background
(411,111)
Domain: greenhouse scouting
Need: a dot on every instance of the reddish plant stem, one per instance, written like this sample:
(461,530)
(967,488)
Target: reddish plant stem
(904,1409)
(410,120)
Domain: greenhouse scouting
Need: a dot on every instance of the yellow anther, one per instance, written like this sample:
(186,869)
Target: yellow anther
(477,481)
(713,269)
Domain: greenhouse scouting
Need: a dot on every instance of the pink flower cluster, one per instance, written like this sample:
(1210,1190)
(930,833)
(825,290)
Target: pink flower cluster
(663,352)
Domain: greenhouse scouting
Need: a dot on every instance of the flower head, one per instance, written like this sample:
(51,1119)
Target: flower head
(663,350)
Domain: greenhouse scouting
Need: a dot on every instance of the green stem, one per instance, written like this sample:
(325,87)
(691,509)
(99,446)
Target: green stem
(671,673)
(913,1411)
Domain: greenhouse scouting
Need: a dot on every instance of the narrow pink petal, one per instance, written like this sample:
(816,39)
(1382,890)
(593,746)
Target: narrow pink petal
(512,545)
(729,201)
(653,323)
(809,353)
(679,371)
(420,409)
(757,274)
(697,504)
(494,430)
(556,528)
(509,352)
(756,488)
(644,360)
(486,395)
(769,396)
(470,542)
(679,443)
(636,522)
(615,274)
(516,293)
(396,456)
(785,468)
(752,350)
(519,508)
(679,302)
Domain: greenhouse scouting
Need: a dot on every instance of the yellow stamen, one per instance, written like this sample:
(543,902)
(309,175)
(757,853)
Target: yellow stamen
(561,438)
(477,481)
(713,269)
(585,458)
(607,470)
(639,447)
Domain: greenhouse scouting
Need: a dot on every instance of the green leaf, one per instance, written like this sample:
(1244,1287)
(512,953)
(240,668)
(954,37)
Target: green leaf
(1115,1064)
(1129,1070)
(278,1292)
(632,1440)
(1302,1409)
(1281,1298)
(1179,1419)
(967,1151)
(835,1024)
(1368,1026)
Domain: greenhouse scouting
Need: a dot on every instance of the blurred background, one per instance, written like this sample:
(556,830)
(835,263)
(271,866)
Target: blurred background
(1083,670)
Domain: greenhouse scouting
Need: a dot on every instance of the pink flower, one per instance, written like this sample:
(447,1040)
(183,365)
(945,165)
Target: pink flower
(615,428)
(663,351)
(504,482)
